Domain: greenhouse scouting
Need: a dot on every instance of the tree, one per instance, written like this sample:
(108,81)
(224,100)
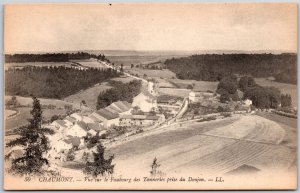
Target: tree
(286,100)
(189,87)
(34,142)
(224,97)
(13,102)
(132,65)
(100,165)
(246,82)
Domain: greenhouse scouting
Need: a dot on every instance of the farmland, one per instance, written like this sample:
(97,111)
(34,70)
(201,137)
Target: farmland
(219,146)
(90,63)
(152,73)
(283,87)
(89,95)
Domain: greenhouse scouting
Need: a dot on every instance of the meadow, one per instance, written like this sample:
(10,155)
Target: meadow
(89,95)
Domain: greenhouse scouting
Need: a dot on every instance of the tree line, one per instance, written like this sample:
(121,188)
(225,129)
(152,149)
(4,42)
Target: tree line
(119,92)
(53,82)
(213,67)
(51,57)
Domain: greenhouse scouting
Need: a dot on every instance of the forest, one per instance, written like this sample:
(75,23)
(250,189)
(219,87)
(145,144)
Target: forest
(213,67)
(51,57)
(119,92)
(53,82)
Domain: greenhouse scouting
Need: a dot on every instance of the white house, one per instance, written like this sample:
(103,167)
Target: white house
(60,146)
(77,130)
(153,87)
(145,101)
(247,102)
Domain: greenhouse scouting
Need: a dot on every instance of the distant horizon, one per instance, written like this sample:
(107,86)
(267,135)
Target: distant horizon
(217,51)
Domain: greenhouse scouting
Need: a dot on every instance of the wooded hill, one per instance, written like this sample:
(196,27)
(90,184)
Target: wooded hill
(213,67)
(53,57)
(53,82)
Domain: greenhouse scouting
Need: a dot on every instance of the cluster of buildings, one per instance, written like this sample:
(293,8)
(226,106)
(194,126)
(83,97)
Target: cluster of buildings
(71,131)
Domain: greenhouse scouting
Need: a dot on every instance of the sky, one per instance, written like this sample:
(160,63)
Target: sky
(142,26)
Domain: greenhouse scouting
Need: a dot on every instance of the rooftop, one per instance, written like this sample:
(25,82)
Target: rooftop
(140,117)
(107,114)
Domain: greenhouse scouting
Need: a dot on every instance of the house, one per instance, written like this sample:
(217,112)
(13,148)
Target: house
(61,146)
(77,116)
(202,91)
(119,107)
(69,121)
(59,124)
(77,130)
(95,117)
(87,119)
(153,87)
(141,120)
(106,117)
(94,128)
(145,101)
(247,102)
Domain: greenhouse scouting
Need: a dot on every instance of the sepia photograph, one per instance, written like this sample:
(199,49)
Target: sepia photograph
(150,96)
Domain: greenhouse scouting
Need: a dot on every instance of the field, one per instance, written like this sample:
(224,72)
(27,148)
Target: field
(123,79)
(89,63)
(38,64)
(152,73)
(9,113)
(220,147)
(176,87)
(127,60)
(89,95)
(283,87)
(174,92)
(203,85)
(24,114)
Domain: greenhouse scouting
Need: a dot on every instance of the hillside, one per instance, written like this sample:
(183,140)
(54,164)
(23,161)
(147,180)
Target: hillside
(212,67)
(53,82)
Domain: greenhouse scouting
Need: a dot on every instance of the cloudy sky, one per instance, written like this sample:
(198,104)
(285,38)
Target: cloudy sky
(69,27)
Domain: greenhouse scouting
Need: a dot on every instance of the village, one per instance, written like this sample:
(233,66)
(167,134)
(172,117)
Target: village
(150,110)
